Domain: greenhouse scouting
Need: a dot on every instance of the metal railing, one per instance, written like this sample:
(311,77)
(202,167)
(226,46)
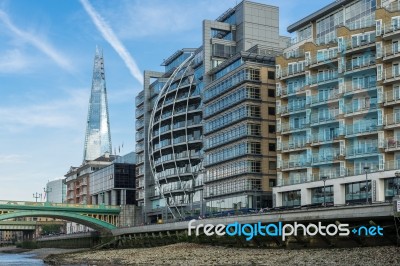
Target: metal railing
(289,127)
(315,99)
(324,117)
(361,128)
(322,77)
(295,164)
(17,204)
(286,146)
(363,150)
(353,109)
(392,119)
(359,64)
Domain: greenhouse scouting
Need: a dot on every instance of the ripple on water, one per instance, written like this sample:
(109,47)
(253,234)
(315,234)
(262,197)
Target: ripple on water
(19,260)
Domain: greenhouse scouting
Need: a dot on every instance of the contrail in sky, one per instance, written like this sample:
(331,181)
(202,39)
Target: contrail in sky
(112,39)
(35,41)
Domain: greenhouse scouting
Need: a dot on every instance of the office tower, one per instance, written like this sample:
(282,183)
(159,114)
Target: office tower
(98,136)
(338,113)
(230,77)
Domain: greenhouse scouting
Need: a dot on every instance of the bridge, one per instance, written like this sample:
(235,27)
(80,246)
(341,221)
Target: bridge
(102,218)
(17,226)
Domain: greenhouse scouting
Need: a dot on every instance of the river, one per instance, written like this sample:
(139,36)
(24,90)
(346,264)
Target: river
(19,260)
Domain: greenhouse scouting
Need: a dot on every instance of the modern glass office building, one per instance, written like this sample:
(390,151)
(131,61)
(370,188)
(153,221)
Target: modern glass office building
(185,116)
(338,105)
(98,136)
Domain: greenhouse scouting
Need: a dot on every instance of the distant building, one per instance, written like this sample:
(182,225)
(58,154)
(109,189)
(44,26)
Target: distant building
(113,184)
(98,136)
(56,191)
(77,179)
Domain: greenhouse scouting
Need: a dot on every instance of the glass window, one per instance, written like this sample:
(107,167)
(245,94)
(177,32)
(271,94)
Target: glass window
(317,195)
(291,198)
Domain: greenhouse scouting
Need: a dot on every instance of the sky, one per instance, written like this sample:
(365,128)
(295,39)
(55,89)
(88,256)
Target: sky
(46,61)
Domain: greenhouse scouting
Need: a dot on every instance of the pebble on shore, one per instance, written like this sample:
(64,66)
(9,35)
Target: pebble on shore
(195,254)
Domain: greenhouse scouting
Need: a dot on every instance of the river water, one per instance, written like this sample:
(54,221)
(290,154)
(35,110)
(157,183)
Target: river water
(19,260)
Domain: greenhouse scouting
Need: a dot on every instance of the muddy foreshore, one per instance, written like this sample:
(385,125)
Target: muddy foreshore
(194,254)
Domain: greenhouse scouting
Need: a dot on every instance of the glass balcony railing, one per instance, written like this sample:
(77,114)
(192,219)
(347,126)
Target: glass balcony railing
(362,150)
(359,64)
(392,144)
(322,78)
(353,89)
(361,128)
(326,138)
(392,96)
(292,127)
(391,74)
(295,179)
(331,115)
(360,108)
(285,109)
(392,119)
(317,99)
(327,157)
(295,164)
(286,146)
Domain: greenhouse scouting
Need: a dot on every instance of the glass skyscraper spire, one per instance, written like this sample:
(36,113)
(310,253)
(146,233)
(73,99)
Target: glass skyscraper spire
(98,137)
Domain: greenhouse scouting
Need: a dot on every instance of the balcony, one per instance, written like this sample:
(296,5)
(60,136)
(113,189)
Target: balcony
(360,64)
(297,53)
(139,100)
(360,109)
(391,52)
(292,72)
(360,45)
(139,112)
(361,129)
(391,75)
(352,90)
(392,120)
(319,140)
(294,165)
(295,179)
(390,31)
(323,118)
(285,92)
(293,146)
(392,97)
(289,109)
(323,78)
(290,128)
(392,144)
(336,172)
(319,61)
(331,157)
(362,151)
(322,99)
(393,7)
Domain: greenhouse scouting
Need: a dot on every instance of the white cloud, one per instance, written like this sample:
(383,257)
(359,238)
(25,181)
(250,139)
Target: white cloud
(40,44)
(13,61)
(11,158)
(113,40)
(63,113)
(159,18)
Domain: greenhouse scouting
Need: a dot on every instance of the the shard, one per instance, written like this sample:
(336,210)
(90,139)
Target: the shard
(98,136)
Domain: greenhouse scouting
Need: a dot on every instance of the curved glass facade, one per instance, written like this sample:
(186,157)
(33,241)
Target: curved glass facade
(175,142)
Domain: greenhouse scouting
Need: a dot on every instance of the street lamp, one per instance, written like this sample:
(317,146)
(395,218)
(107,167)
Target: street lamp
(366,168)
(397,174)
(46,191)
(324,178)
(36,196)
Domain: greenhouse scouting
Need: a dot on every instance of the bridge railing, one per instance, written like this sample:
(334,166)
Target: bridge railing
(60,205)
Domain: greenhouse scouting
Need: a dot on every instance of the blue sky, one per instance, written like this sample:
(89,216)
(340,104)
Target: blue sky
(46,58)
